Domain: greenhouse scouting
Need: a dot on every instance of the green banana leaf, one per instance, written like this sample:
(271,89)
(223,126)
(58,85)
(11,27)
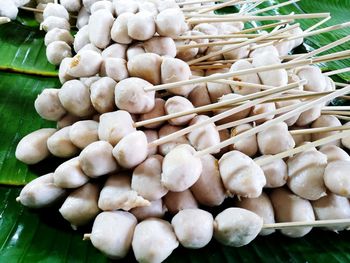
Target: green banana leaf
(43,236)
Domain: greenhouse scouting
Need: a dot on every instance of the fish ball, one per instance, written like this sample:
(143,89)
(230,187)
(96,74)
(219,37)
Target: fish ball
(134,50)
(55,10)
(151,136)
(58,34)
(100,24)
(155,209)
(141,26)
(82,18)
(119,30)
(85,64)
(280,104)
(55,22)
(276,172)
(249,78)
(125,6)
(57,51)
(71,5)
(81,38)
(263,108)
(167,129)
(60,145)
(48,105)
(8,9)
(146,66)
(177,201)
(237,53)
(102,95)
(170,22)
(217,90)
(163,46)
(334,153)
(336,178)
(315,80)
(307,117)
(115,51)
(115,68)
(326,121)
(177,104)
(107,5)
(249,145)
(83,133)
(69,174)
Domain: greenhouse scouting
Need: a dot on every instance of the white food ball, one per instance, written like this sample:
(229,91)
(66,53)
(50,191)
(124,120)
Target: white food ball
(241,175)
(174,70)
(131,150)
(58,34)
(117,194)
(237,53)
(170,23)
(8,9)
(119,30)
(107,5)
(204,136)
(346,141)
(124,6)
(177,104)
(67,120)
(269,49)
(217,91)
(102,94)
(236,227)
(284,103)
(114,126)
(134,50)
(193,227)
(233,117)
(151,135)
(90,47)
(33,147)
(112,233)
(71,5)
(154,240)
(80,207)
(115,68)
(209,189)
(199,96)
(261,206)
(146,66)
(289,207)
(188,53)
(55,22)
(249,78)
(115,51)
(336,178)
(307,117)
(157,111)
(181,169)
(88,3)
(97,159)
(57,51)
(163,46)
(263,108)
(60,145)
(334,153)
(82,18)
(131,96)
(55,10)
(315,80)
(41,192)
(81,38)
(275,139)
(249,145)
(69,174)
(48,105)
(276,172)
(148,6)
(85,64)
(100,24)
(146,178)
(206,28)
(326,121)
(166,4)
(155,209)
(332,207)
(83,133)
(75,98)
(167,129)
(177,201)
(141,26)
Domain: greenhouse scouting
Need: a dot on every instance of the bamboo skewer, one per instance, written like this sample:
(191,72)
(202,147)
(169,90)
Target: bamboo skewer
(218,6)
(31,9)
(338,71)
(269,123)
(273,7)
(250,41)
(337,108)
(233,35)
(246,10)
(335,113)
(318,24)
(230,74)
(266,26)
(319,130)
(4,20)
(196,2)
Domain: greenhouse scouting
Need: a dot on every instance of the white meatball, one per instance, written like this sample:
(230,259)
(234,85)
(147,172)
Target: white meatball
(114,126)
(346,141)
(275,172)
(236,227)
(325,121)
(261,206)
(307,117)
(289,207)
(193,227)
(8,9)
(60,145)
(177,104)
(315,80)
(115,51)
(170,23)
(55,10)
(141,26)
(155,209)
(284,103)
(41,192)
(181,169)
(80,207)
(334,153)
(71,5)
(336,178)
(206,28)
(112,233)
(199,96)
(83,133)
(57,51)
(85,64)
(237,53)
(209,189)
(131,96)
(217,91)
(146,179)
(117,194)
(163,46)
(100,24)
(154,240)
(275,139)
(58,34)
(75,98)
(81,38)
(177,201)
(48,105)
(134,50)
(82,18)
(124,6)
(241,175)
(249,145)
(114,68)
(146,66)
(107,5)
(249,78)
(119,30)
(55,22)
(69,174)
(97,159)
(167,129)
(263,108)
(157,111)
(102,95)
(90,47)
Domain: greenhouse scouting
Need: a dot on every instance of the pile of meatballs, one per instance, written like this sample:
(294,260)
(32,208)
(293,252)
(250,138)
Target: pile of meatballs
(128,158)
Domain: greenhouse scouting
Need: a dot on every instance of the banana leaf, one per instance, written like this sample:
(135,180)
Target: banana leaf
(43,236)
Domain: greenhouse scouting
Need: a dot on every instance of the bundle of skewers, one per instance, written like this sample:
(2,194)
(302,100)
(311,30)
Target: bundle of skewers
(167,108)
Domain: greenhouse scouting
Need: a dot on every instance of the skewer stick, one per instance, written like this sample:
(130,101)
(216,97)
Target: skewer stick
(331,57)
(245,43)
(339,84)
(230,74)
(87,236)
(251,7)
(316,223)
(269,123)
(335,113)
(273,7)
(216,105)
(318,24)
(196,2)
(266,26)
(224,114)
(4,20)
(218,6)
(324,48)
(233,35)
(233,18)
(319,130)
(338,71)
(337,108)
(341,117)
(35,10)
(243,84)
(304,147)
